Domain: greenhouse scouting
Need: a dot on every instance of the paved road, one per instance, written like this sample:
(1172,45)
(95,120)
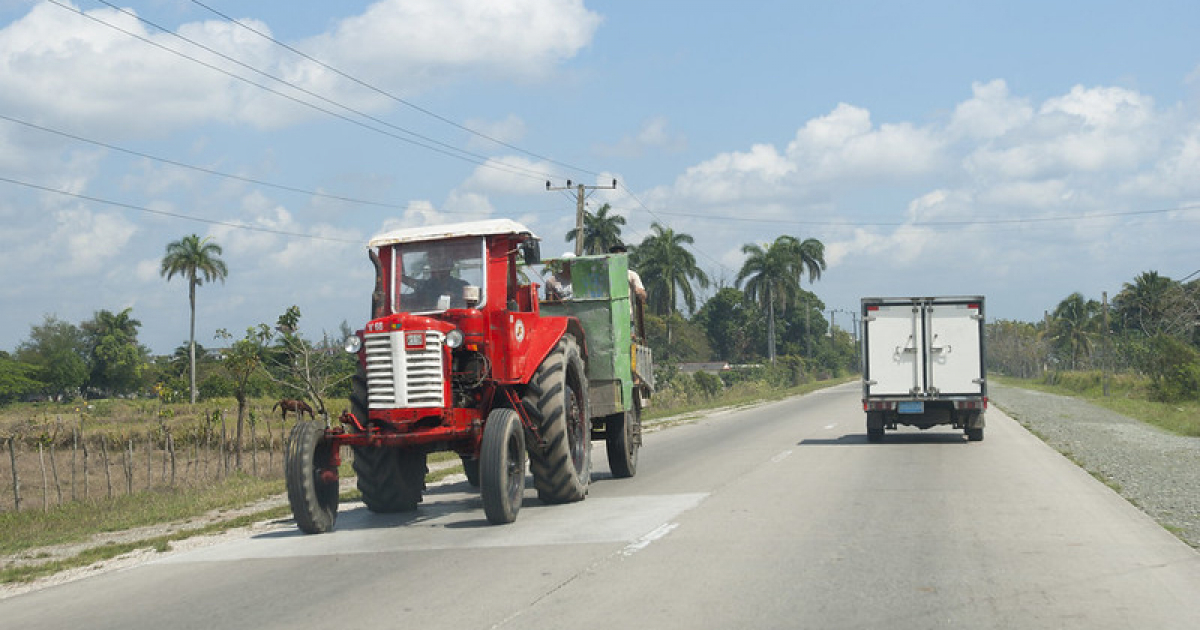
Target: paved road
(781,516)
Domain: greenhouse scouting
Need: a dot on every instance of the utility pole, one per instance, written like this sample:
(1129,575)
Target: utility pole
(580,188)
(1105,348)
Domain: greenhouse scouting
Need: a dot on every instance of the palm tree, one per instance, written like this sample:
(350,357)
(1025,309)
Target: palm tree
(771,280)
(667,266)
(198,261)
(775,273)
(668,270)
(1145,303)
(600,231)
(1073,325)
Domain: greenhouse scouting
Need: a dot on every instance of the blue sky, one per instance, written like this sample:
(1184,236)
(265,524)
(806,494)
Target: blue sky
(1019,150)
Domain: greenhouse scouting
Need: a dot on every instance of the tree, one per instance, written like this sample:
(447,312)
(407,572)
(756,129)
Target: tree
(1073,325)
(313,370)
(199,261)
(58,351)
(600,231)
(243,359)
(773,276)
(727,320)
(17,379)
(116,357)
(667,270)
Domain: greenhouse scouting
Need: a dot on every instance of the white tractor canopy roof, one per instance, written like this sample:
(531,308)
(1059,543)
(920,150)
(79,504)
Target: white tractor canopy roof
(449,230)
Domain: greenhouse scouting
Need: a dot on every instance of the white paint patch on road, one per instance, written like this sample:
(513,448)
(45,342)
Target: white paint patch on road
(456,521)
(645,541)
(782,456)
(830,427)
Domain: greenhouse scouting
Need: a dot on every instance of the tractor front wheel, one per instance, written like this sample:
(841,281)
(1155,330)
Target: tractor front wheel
(502,466)
(312,479)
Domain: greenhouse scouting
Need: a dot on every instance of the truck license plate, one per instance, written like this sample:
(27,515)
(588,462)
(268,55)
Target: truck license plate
(911,406)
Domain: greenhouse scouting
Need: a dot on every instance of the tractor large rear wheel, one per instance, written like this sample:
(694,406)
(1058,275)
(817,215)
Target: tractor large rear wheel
(623,438)
(312,479)
(556,400)
(390,479)
(501,466)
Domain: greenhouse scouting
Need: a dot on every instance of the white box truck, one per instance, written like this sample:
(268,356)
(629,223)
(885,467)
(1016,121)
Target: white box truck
(923,364)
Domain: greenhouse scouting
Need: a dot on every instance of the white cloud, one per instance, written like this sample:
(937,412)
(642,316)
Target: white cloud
(653,135)
(845,145)
(79,73)
(89,239)
(508,175)
(989,113)
(411,44)
(508,130)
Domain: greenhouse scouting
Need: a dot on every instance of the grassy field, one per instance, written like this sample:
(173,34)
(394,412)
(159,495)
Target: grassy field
(1127,395)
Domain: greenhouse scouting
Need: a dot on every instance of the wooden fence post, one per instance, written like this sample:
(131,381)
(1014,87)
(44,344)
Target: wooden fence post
(45,488)
(54,471)
(12,456)
(107,474)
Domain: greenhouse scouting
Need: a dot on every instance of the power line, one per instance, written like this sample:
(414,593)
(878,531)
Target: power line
(449,151)
(174,215)
(200,169)
(391,96)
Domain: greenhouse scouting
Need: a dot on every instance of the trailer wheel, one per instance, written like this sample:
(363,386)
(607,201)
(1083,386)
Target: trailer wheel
(975,435)
(312,479)
(390,479)
(556,400)
(874,426)
(622,439)
(501,466)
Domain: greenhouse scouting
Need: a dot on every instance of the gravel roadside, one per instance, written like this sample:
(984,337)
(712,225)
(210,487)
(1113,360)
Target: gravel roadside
(1155,470)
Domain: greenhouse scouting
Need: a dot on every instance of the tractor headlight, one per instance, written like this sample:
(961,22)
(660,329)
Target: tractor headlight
(352,344)
(454,339)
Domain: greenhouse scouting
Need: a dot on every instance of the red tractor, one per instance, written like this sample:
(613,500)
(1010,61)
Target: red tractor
(461,355)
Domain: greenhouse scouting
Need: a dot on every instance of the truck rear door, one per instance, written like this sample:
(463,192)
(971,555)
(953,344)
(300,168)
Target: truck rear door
(955,350)
(893,339)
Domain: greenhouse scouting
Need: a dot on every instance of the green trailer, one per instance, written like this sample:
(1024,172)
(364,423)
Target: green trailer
(619,363)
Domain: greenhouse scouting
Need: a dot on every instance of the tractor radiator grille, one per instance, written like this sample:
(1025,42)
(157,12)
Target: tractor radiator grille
(400,377)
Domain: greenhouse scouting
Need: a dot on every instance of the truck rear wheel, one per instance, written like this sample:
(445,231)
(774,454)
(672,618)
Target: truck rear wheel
(874,426)
(622,439)
(312,479)
(556,400)
(501,465)
(390,479)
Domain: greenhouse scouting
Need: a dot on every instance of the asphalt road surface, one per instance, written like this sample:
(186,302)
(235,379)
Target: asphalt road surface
(779,516)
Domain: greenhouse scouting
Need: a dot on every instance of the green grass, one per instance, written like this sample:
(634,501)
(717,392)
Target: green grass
(740,394)
(1127,396)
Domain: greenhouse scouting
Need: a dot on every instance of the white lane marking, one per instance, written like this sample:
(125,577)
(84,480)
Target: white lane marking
(780,457)
(830,426)
(643,542)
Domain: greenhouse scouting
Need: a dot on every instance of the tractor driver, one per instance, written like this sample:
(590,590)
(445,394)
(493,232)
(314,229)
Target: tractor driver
(428,292)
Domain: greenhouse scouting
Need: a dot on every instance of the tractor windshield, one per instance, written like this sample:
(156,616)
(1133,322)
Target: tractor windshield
(433,276)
